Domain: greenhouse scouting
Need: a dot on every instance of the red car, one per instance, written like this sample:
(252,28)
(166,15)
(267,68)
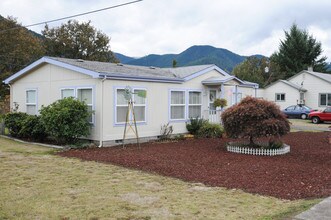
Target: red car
(320,116)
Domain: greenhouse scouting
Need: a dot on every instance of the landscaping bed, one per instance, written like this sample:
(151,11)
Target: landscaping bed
(305,172)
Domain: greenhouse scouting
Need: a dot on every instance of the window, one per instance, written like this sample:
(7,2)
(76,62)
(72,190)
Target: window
(280,97)
(65,93)
(239,96)
(122,106)
(177,105)
(85,95)
(31,102)
(194,105)
(139,106)
(325,99)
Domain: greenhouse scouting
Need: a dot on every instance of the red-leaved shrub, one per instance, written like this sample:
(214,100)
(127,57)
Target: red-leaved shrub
(253,118)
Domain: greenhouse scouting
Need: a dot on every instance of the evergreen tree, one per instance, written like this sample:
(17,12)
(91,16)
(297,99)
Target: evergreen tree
(298,51)
(174,63)
(78,41)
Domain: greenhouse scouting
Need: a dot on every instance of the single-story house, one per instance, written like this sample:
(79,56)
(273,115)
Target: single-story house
(307,87)
(173,94)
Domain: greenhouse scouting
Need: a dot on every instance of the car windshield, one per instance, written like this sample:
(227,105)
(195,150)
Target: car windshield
(306,108)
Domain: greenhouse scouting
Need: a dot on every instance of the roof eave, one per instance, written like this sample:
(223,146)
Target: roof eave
(136,78)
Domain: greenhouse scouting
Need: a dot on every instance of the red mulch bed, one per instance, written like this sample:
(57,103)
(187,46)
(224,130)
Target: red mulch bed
(303,173)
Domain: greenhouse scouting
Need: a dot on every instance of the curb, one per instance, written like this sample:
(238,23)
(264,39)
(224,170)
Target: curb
(34,143)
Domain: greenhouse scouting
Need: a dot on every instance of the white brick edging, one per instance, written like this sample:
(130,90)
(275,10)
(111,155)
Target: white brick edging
(257,151)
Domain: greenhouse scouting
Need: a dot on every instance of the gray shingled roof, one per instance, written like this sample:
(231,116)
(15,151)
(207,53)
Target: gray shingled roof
(216,80)
(293,85)
(105,68)
(325,76)
(186,71)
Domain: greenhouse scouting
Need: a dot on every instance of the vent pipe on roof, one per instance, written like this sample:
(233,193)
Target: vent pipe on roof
(310,68)
(80,60)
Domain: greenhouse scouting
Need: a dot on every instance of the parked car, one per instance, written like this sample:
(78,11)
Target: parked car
(320,116)
(298,111)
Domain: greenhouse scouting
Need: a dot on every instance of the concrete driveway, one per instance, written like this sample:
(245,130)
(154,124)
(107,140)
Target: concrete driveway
(307,125)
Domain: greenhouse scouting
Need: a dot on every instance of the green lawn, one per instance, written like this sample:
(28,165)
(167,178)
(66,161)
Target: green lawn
(35,184)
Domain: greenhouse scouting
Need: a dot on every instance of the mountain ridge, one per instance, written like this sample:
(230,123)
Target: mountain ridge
(194,55)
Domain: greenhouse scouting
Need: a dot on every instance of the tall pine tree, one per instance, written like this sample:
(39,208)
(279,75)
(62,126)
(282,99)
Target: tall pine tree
(298,51)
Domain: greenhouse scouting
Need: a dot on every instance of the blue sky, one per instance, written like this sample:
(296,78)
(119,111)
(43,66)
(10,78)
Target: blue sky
(171,26)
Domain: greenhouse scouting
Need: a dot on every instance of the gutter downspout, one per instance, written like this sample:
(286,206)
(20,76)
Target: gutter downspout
(101,113)
(10,98)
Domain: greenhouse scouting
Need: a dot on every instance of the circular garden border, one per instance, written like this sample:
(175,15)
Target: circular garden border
(237,147)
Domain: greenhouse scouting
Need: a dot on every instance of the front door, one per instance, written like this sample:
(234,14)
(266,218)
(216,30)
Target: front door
(214,115)
(212,97)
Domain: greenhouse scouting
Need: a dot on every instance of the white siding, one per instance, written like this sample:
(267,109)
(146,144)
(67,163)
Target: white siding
(314,86)
(292,95)
(50,79)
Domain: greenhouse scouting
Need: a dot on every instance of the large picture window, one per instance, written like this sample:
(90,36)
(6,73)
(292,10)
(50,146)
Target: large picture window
(325,99)
(31,102)
(139,104)
(194,105)
(177,105)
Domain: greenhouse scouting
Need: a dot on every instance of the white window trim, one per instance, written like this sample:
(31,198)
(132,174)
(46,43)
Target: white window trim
(116,123)
(326,101)
(189,105)
(31,103)
(280,100)
(184,105)
(186,96)
(68,89)
(76,88)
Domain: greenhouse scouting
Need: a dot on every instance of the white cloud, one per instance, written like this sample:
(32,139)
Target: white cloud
(154,26)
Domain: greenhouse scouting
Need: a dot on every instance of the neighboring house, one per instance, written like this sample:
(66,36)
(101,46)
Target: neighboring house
(173,94)
(307,87)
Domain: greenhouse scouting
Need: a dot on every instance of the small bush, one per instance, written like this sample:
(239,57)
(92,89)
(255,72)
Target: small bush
(195,124)
(13,121)
(166,131)
(66,120)
(32,128)
(209,130)
(275,144)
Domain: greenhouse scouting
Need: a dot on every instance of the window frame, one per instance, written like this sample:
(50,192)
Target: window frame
(189,105)
(116,123)
(180,105)
(186,103)
(76,88)
(69,88)
(31,103)
(280,100)
(326,99)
